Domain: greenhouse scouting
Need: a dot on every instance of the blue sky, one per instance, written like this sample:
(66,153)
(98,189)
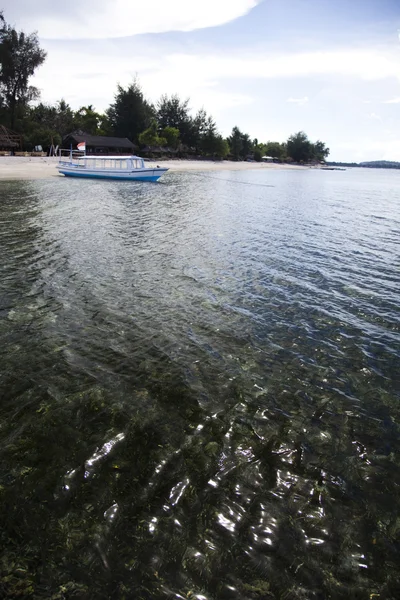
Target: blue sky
(329,68)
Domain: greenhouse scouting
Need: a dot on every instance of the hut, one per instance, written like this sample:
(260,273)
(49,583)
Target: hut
(99,144)
(159,152)
(9,140)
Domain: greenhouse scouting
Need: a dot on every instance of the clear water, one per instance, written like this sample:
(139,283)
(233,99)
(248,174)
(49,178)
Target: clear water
(200,387)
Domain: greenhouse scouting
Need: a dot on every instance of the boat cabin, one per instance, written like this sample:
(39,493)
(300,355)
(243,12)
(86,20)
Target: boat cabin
(110,163)
(102,163)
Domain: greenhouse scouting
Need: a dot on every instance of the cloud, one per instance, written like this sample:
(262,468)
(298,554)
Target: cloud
(375,117)
(363,64)
(367,149)
(88,75)
(392,101)
(91,71)
(299,101)
(100,19)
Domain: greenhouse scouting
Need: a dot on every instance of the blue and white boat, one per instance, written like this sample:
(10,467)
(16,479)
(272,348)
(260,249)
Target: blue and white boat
(131,168)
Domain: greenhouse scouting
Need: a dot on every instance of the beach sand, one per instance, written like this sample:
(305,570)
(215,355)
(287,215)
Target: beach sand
(20,167)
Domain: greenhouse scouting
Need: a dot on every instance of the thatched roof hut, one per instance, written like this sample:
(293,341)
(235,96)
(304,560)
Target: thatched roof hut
(9,140)
(159,151)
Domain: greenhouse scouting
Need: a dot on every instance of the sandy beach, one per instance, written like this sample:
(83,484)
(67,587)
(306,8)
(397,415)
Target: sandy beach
(19,167)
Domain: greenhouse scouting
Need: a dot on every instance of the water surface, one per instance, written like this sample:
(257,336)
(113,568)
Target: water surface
(200,387)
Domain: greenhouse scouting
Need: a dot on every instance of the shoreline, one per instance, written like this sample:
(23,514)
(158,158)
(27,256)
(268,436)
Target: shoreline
(27,168)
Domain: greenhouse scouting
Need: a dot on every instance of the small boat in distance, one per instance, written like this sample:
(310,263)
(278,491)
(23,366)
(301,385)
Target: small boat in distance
(129,168)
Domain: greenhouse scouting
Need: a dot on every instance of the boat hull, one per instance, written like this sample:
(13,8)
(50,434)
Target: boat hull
(137,175)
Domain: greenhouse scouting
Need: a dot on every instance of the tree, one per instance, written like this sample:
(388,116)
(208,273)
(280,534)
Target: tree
(236,143)
(174,112)
(320,151)
(40,127)
(41,136)
(88,120)
(171,135)
(59,117)
(299,147)
(258,155)
(150,137)
(275,149)
(212,143)
(20,56)
(247,146)
(240,144)
(215,145)
(64,120)
(46,124)
(198,127)
(130,114)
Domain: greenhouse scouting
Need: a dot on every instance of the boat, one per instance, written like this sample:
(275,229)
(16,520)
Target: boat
(130,168)
(331,169)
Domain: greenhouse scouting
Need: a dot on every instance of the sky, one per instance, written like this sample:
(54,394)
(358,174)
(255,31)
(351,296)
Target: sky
(331,69)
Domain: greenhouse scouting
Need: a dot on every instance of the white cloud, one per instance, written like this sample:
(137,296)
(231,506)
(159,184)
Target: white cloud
(375,117)
(90,73)
(364,64)
(299,101)
(392,101)
(99,19)
(367,149)
(93,77)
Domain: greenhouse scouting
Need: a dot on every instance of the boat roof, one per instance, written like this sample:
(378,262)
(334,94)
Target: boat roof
(104,157)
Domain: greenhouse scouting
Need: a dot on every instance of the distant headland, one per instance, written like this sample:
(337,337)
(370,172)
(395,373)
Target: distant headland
(372,164)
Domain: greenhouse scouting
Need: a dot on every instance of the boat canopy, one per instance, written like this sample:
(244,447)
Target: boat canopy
(104,157)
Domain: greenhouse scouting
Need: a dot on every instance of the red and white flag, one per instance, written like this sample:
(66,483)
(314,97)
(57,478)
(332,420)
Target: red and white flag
(82,146)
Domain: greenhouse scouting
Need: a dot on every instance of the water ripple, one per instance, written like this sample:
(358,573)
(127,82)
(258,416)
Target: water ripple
(200,387)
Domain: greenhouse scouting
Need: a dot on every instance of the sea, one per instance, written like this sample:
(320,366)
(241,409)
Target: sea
(200,387)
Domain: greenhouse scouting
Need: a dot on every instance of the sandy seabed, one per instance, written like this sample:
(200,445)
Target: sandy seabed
(21,167)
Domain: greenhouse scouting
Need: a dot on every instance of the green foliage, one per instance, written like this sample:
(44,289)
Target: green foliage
(131,113)
(60,117)
(150,137)
(275,149)
(171,135)
(300,149)
(198,128)
(321,152)
(221,147)
(88,120)
(64,121)
(212,143)
(45,124)
(20,55)
(257,155)
(247,145)
(174,112)
(198,133)
(241,146)
(43,137)
(236,143)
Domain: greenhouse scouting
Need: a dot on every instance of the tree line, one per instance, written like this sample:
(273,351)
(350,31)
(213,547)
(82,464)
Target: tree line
(168,124)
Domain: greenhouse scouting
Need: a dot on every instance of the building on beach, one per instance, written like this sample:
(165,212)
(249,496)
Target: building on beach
(98,144)
(9,140)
